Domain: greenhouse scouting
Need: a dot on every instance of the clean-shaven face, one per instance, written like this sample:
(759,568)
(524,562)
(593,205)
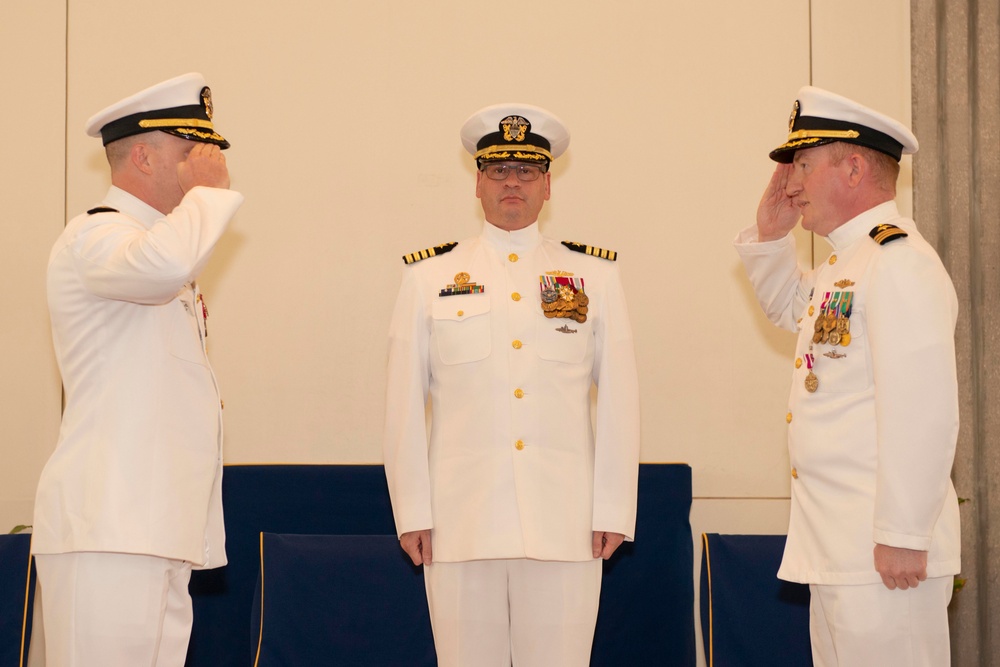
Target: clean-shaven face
(817,188)
(512,203)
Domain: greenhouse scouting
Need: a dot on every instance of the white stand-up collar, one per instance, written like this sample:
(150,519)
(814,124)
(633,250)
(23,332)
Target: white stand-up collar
(131,206)
(858,227)
(518,241)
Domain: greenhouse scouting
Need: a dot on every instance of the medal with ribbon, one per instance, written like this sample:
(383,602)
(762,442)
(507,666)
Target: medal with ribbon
(812,382)
(833,326)
(563,296)
(844,320)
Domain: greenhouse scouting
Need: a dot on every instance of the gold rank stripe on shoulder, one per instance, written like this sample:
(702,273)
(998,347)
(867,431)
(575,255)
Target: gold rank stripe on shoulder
(885,233)
(429,252)
(591,250)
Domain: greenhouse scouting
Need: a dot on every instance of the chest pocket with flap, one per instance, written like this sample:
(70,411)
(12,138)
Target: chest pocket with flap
(462,328)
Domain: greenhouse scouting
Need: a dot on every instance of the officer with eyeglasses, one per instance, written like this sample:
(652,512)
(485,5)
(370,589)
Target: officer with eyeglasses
(507,496)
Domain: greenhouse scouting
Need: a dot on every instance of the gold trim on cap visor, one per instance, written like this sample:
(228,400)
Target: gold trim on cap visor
(176,122)
(518,148)
(824,134)
(191,132)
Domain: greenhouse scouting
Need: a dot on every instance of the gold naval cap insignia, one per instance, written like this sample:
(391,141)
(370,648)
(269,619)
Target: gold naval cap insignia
(793,116)
(514,128)
(206,101)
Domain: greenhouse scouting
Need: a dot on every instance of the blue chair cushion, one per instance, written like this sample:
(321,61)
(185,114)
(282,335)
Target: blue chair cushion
(340,600)
(750,617)
(17,591)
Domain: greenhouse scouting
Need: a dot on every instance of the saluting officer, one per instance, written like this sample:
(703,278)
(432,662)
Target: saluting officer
(131,501)
(511,500)
(873,410)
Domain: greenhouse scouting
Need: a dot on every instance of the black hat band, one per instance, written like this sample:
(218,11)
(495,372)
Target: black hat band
(809,131)
(189,122)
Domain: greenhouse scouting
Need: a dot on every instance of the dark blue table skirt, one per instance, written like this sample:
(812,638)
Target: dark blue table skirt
(647,600)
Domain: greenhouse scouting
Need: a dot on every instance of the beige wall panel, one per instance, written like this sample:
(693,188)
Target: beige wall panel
(867,60)
(32,64)
(344,120)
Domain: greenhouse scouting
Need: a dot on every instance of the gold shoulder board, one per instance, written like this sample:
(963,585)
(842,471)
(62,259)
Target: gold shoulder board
(885,233)
(591,250)
(429,252)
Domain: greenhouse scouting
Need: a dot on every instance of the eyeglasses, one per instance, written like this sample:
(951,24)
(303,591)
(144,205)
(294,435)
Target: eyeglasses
(499,171)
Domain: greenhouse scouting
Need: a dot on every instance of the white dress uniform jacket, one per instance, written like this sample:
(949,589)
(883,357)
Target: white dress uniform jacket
(872,449)
(138,466)
(512,468)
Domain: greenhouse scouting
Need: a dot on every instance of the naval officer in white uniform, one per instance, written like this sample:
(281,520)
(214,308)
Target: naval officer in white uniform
(130,501)
(873,409)
(511,500)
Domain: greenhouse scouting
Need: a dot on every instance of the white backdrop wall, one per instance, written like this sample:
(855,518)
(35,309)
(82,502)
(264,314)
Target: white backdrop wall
(32,204)
(344,121)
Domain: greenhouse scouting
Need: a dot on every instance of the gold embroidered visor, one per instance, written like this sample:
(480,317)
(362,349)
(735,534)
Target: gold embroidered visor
(192,122)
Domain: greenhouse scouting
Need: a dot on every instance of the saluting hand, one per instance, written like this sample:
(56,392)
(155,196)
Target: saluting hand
(205,165)
(776,214)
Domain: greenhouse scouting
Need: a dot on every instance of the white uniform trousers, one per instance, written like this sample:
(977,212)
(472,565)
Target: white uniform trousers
(114,610)
(869,625)
(490,613)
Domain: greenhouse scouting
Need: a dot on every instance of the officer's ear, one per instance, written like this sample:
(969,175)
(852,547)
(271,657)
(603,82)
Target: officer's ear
(140,157)
(857,167)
